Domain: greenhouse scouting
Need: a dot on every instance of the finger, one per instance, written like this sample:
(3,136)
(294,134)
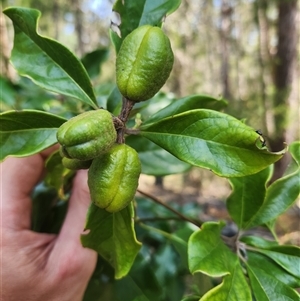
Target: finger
(68,240)
(18,176)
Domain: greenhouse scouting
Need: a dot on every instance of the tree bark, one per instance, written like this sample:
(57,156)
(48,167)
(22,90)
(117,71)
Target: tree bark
(283,75)
(225,28)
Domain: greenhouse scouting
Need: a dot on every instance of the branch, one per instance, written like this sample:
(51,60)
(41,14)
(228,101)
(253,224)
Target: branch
(160,202)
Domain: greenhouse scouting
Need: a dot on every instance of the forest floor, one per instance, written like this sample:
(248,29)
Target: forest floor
(211,192)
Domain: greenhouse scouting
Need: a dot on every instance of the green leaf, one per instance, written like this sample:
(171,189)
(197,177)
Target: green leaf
(140,283)
(48,63)
(280,195)
(27,132)
(57,175)
(155,160)
(258,242)
(247,196)
(112,235)
(207,252)
(188,103)
(137,13)
(268,288)
(233,288)
(211,140)
(92,61)
(127,289)
(270,267)
(288,257)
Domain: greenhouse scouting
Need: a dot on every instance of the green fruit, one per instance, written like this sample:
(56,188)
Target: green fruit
(144,63)
(113,178)
(87,135)
(75,164)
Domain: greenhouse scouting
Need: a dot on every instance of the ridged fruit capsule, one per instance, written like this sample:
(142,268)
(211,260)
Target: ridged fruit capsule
(113,178)
(144,63)
(87,135)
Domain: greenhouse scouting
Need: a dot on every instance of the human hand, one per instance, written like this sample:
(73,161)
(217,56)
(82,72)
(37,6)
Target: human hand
(39,266)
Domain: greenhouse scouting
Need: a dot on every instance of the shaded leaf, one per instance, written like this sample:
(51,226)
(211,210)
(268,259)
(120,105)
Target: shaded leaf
(127,289)
(57,175)
(188,103)
(288,257)
(48,63)
(270,267)
(267,288)
(211,140)
(137,13)
(112,235)
(92,61)
(155,160)
(248,195)
(27,132)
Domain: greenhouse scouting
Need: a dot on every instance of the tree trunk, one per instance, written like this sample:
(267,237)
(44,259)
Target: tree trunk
(225,28)
(283,71)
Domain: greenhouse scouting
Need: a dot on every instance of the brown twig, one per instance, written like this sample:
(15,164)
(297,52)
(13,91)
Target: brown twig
(127,106)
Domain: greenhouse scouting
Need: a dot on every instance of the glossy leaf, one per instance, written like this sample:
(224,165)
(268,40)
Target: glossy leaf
(233,288)
(268,288)
(258,242)
(155,160)
(182,105)
(112,235)
(288,257)
(247,197)
(211,140)
(24,133)
(281,194)
(137,13)
(47,62)
(262,262)
(208,254)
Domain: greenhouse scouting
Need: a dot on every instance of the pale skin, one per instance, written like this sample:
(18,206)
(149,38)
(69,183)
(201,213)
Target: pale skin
(38,266)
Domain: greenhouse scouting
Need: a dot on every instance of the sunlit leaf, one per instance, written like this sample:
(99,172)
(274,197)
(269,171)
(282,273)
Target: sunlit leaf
(211,140)
(112,235)
(208,254)
(48,63)
(247,197)
(233,288)
(188,103)
(23,133)
(137,13)
(281,194)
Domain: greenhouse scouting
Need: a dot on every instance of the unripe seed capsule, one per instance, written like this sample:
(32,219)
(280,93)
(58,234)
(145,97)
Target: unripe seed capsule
(144,63)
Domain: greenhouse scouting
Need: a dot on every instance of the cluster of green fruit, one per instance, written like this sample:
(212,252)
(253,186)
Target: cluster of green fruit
(88,141)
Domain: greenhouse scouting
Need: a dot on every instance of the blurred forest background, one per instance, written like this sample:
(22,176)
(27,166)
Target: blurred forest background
(246,51)
(243,50)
